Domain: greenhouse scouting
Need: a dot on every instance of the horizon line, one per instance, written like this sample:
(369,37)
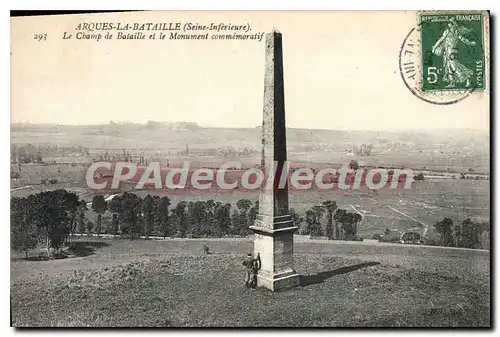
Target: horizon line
(238,127)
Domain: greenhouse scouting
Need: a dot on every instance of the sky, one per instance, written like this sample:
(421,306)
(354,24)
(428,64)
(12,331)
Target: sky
(341,71)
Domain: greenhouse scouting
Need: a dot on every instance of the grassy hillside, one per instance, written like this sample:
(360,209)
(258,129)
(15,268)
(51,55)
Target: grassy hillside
(171,283)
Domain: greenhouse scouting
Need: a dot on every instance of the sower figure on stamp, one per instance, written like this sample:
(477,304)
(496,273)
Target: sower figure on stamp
(447,47)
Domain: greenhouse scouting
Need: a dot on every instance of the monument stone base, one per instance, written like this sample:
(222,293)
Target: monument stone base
(275,247)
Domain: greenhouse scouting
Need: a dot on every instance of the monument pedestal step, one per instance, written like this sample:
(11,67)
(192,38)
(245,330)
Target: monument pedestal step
(277,282)
(270,232)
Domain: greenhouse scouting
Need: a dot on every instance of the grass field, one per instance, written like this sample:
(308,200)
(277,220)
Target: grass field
(171,283)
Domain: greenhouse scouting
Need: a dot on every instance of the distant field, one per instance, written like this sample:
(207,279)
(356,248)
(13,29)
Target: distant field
(171,283)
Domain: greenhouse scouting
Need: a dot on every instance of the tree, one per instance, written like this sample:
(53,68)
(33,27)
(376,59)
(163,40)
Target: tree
(362,150)
(243,221)
(297,220)
(147,211)
(356,219)
(330,206)
(197,215)
(222,218)
(252,213)
(52,217)
(130,209)
(444,228)
(49,214)
(238,222)
(310,222)
(243,205)
(320,211)
(180,218)
(472,233)
(369,148)
(99,205)
(420,176)
(163,215)
(340,217)
(350,225)
(211,223)
(457,233)
(115,207)
(72,204)
(156,226)
(82,208)
(484,234)
(115,223)
(387,232)
(313,221)
(348,222)
(139,229)
(90,227)
(24,233)
(353,164)
(411,237)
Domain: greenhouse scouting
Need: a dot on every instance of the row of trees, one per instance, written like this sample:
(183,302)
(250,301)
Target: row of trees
(340,224)
(133,216)
(468,234)
(52,218)
(363,150)
(34,153)
(226,152)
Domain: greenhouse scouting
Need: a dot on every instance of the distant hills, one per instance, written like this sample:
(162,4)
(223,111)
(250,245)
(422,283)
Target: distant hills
(192,133)
(455,150)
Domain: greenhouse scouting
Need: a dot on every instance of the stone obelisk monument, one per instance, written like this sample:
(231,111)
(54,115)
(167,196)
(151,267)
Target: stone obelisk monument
(273,227)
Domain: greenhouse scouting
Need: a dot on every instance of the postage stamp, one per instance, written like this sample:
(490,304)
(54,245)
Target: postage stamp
(452,51)
(444,58)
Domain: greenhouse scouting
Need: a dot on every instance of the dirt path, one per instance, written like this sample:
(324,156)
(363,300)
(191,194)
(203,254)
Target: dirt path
(426,227)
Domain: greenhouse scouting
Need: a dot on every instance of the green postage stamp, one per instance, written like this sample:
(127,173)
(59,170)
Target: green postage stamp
(452,51)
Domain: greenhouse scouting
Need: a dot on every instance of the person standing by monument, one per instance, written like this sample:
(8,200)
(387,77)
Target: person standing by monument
(252,265)
(255,271)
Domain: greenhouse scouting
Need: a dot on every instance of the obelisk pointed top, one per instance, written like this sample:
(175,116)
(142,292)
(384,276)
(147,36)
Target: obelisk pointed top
(275,30)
